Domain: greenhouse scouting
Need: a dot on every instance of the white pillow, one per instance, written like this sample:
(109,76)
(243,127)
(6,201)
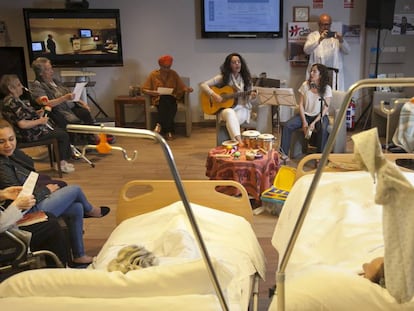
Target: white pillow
(167,280)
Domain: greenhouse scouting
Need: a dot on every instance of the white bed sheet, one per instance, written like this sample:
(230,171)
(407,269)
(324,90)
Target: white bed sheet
(230,240)
(341,231)
(181,274)
(182,303)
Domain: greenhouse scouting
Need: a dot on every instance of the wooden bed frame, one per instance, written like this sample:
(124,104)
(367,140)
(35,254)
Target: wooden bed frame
(142,196)
(342,162)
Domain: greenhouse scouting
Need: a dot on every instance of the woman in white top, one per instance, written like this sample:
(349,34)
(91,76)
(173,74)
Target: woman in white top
(234,73)
(315,96)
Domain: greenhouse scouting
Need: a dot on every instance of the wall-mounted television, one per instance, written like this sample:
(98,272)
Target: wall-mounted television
(242,19)
(38,46)
(12,62)
(83,37)
(85,33)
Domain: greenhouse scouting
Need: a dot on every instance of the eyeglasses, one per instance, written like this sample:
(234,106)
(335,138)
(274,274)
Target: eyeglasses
(326,24)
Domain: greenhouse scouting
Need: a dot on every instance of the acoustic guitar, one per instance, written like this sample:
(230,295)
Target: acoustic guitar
(210,106)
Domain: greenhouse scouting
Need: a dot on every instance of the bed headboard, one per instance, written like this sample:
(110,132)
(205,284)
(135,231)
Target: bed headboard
(342,162)
(142,196)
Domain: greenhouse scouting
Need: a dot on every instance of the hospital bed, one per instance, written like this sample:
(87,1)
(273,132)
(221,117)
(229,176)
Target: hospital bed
(314,287)
(341,231)
(159,215)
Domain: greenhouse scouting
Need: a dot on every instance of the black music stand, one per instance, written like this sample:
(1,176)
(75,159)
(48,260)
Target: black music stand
(277,97)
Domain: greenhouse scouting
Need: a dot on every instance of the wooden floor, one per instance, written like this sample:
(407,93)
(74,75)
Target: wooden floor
(102,184)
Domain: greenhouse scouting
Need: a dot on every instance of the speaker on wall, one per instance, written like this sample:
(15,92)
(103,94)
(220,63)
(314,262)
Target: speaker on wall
(380,14)
(77,4)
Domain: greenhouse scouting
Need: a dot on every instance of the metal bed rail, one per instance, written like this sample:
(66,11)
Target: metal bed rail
(147,134)
(280,275)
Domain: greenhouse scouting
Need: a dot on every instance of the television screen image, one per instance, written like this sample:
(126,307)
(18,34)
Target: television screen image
(242,19)
(80,37)
(85,33)
(38,46)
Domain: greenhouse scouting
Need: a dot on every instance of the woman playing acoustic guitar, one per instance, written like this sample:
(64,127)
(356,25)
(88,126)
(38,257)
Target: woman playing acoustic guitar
(230,94)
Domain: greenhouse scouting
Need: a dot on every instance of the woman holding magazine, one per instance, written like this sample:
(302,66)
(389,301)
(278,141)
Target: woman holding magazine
(69,202)
(46,234)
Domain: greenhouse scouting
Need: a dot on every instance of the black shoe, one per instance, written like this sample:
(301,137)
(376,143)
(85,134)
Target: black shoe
(104,211)
(390,145)
(76,265)
(397,150)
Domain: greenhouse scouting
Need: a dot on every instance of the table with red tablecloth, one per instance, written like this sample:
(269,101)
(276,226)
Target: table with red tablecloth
(255,175)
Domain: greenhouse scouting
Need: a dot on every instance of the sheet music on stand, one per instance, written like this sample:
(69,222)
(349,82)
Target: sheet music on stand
(276,96)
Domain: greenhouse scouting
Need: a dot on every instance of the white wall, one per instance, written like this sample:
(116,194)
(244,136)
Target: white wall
(155,27)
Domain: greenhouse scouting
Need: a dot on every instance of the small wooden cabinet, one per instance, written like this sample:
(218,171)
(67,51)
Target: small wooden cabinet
(121,101)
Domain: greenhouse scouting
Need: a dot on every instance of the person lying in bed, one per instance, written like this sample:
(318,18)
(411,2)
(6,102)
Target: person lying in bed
(69,202)
(374,271)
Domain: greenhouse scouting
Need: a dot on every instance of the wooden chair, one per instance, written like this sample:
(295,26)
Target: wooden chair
(52,147)
(299,145)
(183,106)
(264,121)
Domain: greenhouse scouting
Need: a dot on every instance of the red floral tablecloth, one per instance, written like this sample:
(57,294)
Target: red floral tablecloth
(255,175)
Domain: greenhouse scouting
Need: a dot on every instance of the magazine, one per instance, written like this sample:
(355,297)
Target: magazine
(32,218)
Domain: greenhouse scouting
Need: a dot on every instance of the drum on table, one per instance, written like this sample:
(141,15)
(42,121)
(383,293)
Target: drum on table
(250,138)
(266,141)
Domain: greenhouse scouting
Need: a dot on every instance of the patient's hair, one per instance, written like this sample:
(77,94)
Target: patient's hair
(374,270)
(4,123)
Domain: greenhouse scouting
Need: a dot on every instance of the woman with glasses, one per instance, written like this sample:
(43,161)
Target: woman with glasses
(327,47)
(31,124)
(236,74)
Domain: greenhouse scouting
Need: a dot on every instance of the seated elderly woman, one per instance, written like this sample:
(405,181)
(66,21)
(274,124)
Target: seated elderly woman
(64,110)
(32,125)
(69,202)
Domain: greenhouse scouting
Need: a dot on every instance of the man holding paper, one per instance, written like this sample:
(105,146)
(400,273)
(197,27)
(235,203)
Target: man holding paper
(66,108)
(165,86)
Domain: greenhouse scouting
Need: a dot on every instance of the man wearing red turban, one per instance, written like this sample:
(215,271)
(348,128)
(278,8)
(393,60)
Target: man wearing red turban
(166,102)
(165,61)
